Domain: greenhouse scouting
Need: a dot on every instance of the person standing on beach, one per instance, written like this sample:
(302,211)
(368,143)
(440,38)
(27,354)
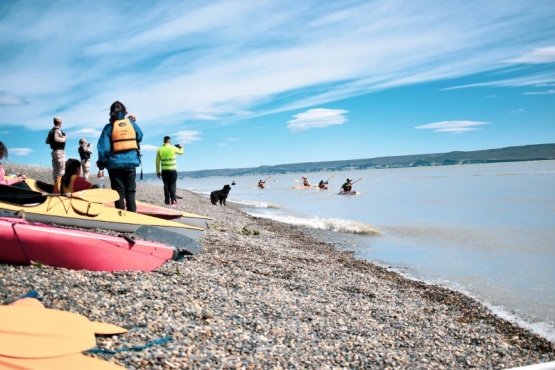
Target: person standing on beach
(56,138)
(119,152)
(85,151)
(167,162)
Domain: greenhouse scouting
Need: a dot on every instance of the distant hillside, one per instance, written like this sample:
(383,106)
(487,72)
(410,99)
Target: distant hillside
(509,154)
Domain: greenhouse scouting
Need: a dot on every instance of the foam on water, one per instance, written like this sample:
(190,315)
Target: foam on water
(333,224)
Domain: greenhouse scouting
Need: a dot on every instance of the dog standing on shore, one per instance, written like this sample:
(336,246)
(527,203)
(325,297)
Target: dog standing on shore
(220,195)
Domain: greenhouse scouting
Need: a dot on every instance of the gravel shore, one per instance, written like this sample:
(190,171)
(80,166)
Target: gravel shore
(265,295)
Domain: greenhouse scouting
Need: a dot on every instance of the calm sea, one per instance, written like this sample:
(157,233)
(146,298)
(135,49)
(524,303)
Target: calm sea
(486,230)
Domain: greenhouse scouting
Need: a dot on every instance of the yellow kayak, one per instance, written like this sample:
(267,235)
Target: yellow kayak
(142,208)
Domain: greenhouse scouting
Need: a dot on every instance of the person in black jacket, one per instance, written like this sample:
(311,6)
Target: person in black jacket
(56,138)
(85,151)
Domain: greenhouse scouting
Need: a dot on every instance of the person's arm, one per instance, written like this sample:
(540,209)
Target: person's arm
(88,148)
(103,148)
(158,160)
(81,184)
(137,130)
(178,149)
(59,136)
(5,181)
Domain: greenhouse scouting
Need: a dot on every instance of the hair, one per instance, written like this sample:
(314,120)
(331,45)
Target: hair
(72,165)
(57,121)
(166,139)
(116,106)
(4,149)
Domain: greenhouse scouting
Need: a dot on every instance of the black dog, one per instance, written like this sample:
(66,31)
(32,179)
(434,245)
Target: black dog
(220,195)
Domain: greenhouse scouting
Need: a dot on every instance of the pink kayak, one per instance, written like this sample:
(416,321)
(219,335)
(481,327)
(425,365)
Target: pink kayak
(22,242)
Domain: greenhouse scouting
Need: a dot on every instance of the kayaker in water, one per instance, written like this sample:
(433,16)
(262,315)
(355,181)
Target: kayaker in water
(118,152)
(261,184)
(322,184)
(72,180)
(346,187)
(305,181)
(18,181)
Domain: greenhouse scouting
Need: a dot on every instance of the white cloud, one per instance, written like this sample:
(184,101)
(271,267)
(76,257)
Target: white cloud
(232,139)
(517,111)
(149,148)
(7,98)
(217,61)
(547,92)
(86,133)
(538,56)
(20,151)
(317,118)
(186,137)
(453,127)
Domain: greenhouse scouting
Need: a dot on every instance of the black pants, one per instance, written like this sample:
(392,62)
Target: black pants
(122,180)
(170,179)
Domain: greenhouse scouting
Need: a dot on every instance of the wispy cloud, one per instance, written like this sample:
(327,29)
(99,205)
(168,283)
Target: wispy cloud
(317,118)
(7,98)
(547,92)
(84,133)
(537,56)
(453,127)
(149,148)
(187,137)
(20,151)
(199,61)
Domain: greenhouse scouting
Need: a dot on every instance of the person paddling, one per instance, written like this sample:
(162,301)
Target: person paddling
(347,186)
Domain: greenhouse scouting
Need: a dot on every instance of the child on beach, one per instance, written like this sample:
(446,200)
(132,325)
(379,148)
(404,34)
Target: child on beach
(18,181)
(72,181)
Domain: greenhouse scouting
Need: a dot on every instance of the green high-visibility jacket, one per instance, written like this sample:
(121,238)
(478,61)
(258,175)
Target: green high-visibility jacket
(165,157)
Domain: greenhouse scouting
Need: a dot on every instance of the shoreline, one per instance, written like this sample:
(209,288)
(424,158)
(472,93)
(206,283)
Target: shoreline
(267,294)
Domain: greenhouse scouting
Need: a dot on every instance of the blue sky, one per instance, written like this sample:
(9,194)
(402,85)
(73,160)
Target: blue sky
(250,83)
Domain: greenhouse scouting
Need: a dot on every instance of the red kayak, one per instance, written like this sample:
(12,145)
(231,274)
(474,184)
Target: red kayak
(22,242)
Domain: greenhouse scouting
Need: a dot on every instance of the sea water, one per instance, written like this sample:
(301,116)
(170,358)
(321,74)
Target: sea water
(486,230)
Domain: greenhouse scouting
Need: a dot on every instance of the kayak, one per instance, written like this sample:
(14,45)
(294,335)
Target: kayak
(57,209)
(304,187)
(142,208)
(23,242)
(352,192)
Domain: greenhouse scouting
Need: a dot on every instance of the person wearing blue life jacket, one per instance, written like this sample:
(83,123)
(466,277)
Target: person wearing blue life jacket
(118,151)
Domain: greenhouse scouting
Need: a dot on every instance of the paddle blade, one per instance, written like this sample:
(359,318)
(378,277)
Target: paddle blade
(29,332)
(73,361)
(95,195)
(182,243)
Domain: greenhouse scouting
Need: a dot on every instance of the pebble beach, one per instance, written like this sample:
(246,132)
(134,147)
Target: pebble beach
(268,295)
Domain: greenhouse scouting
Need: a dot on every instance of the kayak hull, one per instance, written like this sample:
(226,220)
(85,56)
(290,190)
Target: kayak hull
(352,192)
(22,242)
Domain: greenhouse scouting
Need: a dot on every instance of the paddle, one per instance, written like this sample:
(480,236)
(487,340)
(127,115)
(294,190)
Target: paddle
(72,361)
(182,243)
(28,332)
(261,185)
(93,195)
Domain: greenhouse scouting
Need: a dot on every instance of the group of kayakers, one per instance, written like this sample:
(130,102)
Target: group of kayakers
(347,187)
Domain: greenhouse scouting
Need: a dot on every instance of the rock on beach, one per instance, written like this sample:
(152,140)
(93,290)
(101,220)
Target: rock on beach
(264,295)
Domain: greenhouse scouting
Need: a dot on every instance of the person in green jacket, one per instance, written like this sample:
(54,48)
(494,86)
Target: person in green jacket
(166,161)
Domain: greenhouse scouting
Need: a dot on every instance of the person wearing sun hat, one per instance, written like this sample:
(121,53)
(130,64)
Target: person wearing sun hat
(85,151)
(305,181)
(347,186)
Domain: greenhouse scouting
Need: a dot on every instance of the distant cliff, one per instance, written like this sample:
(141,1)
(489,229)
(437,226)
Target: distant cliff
(508,154)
